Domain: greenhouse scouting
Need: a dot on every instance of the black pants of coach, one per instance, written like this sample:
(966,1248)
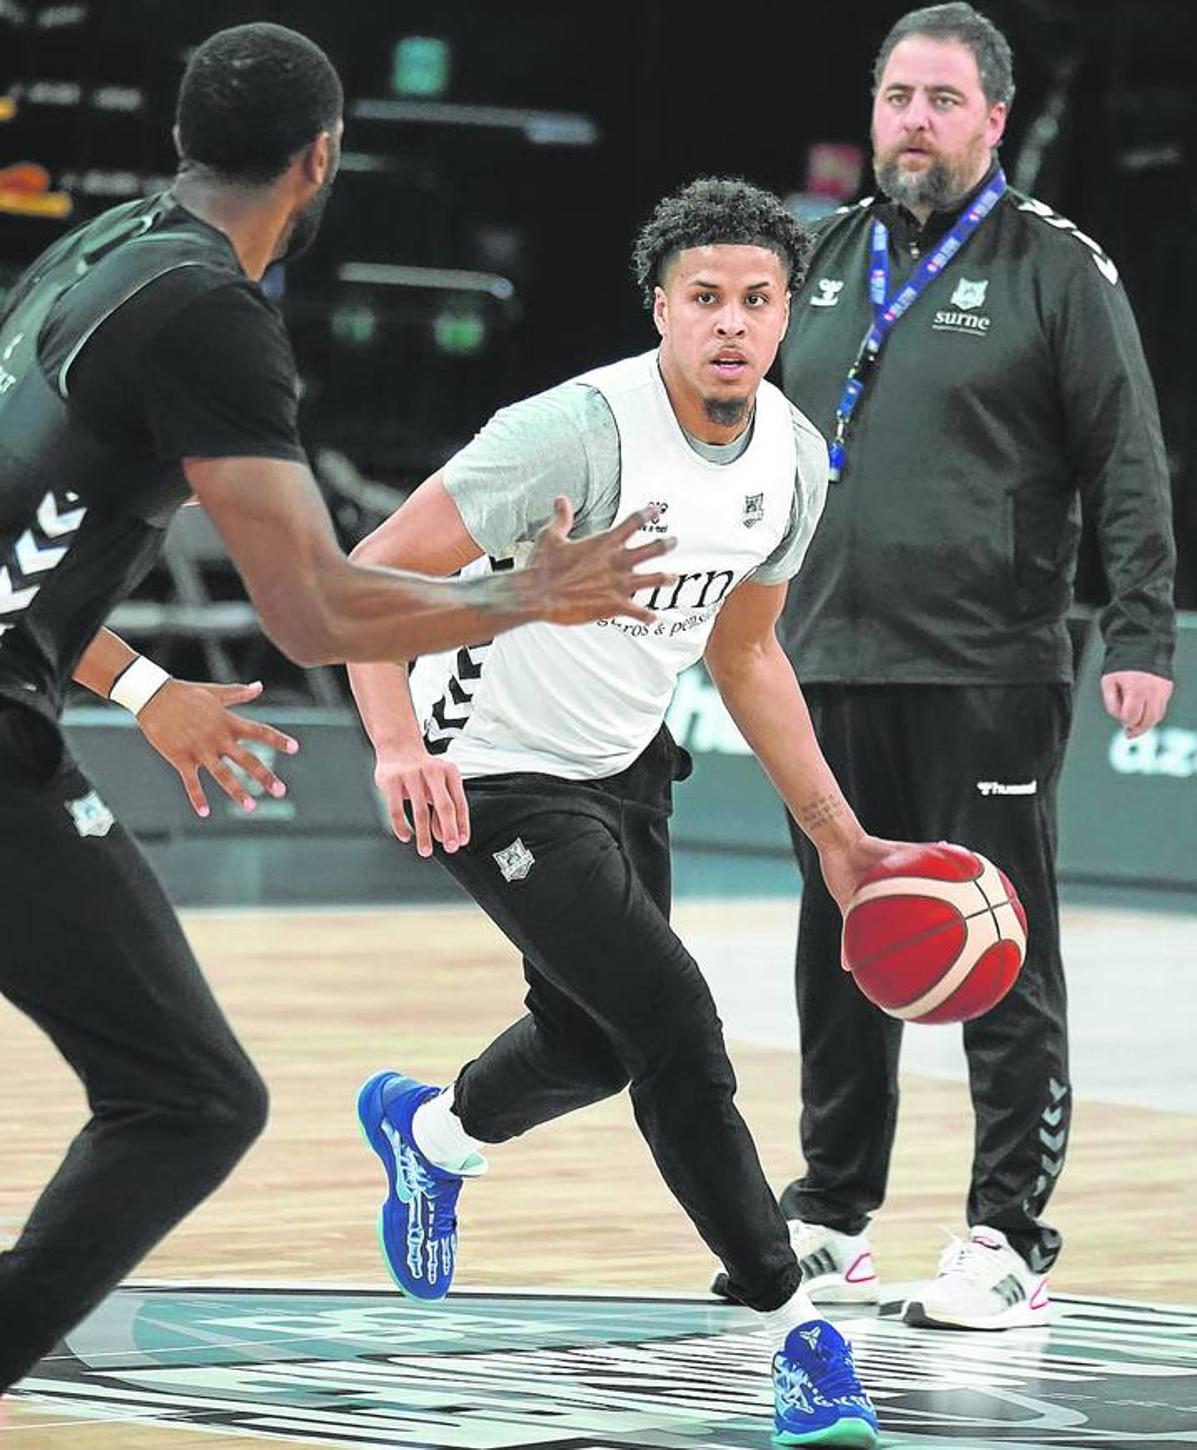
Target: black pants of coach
(94,955)
(925,763)
(614,999)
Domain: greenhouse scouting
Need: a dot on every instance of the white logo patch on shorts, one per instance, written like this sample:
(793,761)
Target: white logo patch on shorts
(515,861)
(91,816)
(999,787)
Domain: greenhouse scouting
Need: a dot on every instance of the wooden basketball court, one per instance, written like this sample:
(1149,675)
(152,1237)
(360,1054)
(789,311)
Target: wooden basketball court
(323,999)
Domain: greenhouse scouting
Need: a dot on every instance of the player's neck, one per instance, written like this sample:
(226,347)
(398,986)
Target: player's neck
(250,217)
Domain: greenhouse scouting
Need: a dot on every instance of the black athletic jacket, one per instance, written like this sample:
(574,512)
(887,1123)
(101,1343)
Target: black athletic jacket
(1013,392)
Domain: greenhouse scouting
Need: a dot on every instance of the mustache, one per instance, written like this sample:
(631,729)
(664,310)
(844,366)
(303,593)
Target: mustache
(911,143)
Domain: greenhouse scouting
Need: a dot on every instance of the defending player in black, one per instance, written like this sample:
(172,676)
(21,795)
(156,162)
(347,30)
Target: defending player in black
(140,362)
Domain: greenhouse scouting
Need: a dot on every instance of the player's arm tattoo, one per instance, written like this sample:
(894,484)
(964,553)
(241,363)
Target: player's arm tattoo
(821,811)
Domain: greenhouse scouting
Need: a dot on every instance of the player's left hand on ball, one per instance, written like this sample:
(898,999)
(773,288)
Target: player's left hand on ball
(1137,699)
(193,728)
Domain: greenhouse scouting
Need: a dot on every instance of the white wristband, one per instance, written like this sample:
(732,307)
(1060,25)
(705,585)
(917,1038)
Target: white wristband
(137,684)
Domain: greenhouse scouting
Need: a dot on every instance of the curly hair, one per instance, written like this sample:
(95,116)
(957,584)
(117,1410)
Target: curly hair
(715,211)
(251,97)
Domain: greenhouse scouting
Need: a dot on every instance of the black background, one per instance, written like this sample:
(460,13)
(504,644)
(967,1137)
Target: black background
(675,90)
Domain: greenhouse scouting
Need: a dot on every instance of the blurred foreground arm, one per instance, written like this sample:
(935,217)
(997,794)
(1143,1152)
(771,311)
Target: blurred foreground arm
(320,608)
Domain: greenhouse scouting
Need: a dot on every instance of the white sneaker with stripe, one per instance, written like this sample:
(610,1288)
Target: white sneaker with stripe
(837,1268)
(982,1283)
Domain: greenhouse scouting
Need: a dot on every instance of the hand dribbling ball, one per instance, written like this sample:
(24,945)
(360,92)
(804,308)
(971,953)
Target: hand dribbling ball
(935,933)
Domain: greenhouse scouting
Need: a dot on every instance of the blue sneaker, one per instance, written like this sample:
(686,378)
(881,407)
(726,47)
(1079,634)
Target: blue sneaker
(817,1398)
(417,1224)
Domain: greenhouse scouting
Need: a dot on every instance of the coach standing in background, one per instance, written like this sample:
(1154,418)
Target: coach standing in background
(974,363)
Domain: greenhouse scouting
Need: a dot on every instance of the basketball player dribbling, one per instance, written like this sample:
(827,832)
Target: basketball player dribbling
(140,362)
(560,829)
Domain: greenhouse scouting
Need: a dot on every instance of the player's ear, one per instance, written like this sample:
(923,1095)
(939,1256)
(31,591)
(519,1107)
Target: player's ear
(177,139)
(316,159)
(660,310)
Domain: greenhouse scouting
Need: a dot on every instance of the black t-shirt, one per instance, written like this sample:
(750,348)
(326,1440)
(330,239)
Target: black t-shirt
(130,345)
(195,365)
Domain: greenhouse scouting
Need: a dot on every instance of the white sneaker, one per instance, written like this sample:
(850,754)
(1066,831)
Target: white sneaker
(981,1284)
(836,1268)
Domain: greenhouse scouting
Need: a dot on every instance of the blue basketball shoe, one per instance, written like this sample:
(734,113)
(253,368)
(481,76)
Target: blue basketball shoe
(817,1398)
(417,1224)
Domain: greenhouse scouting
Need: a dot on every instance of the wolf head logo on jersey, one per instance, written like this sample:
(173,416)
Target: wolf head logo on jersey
(754,509)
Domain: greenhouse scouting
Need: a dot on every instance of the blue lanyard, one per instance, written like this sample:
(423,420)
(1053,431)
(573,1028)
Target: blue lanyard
(887,310)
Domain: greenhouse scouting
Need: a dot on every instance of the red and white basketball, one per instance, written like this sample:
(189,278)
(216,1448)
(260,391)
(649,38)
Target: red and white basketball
(935,933)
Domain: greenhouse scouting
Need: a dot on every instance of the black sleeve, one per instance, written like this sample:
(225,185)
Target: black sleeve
(1115,440)
(218,380)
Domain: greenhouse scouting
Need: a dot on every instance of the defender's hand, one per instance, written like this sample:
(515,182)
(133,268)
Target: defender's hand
(1136,699)
(425,799)
(573,581)
(192,727)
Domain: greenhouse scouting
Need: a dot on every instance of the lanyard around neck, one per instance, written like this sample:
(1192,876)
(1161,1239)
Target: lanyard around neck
(888,311)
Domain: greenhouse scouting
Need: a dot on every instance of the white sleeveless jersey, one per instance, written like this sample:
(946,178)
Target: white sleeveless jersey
(583,701)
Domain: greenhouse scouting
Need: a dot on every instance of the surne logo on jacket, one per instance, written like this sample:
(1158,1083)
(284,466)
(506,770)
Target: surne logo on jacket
(961,314)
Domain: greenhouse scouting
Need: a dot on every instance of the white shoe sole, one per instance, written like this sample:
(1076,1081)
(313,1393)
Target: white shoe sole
(1019,1316)
(835,1289)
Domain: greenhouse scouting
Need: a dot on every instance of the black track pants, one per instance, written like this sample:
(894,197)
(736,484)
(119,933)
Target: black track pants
(93,954)
(911,760)
(615,1000)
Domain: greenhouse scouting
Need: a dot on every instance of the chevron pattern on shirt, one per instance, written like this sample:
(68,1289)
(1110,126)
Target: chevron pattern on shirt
(28,559)
(451,713)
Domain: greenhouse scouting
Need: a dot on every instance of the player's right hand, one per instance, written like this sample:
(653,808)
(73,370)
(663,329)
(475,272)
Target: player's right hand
(573,581)
(425,800)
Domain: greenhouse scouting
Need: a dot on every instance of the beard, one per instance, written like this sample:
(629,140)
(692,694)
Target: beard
(726,412)
(306,222)
(305,225)
(937,187)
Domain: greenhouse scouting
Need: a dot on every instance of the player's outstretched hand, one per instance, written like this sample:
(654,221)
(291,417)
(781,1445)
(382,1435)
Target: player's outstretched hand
(193,728)
(576,580)
(425,800)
